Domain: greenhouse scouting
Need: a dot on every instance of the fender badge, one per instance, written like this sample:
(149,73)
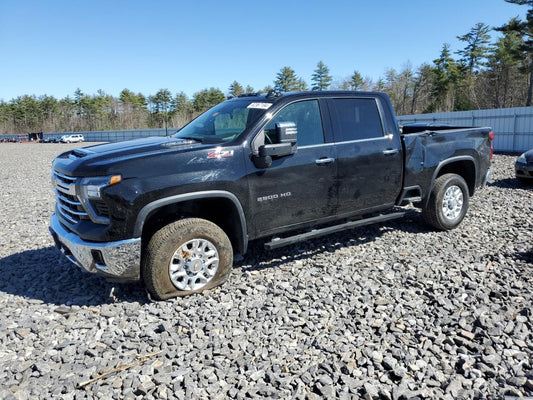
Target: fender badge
(219,153)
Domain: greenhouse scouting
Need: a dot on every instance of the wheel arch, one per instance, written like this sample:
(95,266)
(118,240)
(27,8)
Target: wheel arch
(220,207)
(464,166)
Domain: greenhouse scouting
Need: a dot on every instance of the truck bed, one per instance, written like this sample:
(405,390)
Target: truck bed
(427,146)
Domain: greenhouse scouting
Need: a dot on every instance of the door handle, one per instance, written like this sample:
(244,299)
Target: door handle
(324,161)
(389,152)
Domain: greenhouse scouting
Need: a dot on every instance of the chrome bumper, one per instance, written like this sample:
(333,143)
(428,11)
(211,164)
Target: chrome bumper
(120,261)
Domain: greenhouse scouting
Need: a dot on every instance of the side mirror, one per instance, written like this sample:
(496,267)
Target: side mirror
(286,134)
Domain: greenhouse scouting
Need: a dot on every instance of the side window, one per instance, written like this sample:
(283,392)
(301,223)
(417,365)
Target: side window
(357,119)
(306,116)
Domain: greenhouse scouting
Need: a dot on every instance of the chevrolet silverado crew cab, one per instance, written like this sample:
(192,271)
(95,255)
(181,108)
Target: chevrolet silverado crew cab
(173,211)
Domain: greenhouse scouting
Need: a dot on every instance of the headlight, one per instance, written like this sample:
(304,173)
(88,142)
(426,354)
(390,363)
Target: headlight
(522,159)
(90,189)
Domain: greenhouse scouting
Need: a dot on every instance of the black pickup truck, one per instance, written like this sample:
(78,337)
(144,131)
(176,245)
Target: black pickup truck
(174,210)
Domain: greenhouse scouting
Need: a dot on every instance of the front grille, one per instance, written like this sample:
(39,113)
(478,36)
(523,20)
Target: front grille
(101,208)
(68,204)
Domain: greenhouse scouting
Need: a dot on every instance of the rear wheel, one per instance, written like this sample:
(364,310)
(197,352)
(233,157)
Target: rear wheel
(186,256)
(448,202)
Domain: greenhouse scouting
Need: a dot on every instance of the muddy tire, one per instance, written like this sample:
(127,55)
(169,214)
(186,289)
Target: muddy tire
(185,257)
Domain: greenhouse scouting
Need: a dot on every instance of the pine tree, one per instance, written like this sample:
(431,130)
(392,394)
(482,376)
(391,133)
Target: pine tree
(235,89)
(445,76)
(504,69)
(78,100)
(182,104)
(321,77)
(162,106)
(207,98)
(356,81)
(525,29)
(301,85)
(476,48)
(286,80)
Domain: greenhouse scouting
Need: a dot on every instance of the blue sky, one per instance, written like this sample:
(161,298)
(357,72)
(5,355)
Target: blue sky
(55,46)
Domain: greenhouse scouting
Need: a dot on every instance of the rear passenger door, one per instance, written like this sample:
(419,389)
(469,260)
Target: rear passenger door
(369,159)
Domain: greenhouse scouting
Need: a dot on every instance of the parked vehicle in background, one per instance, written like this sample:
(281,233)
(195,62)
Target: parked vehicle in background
(524,167)
(289,167)
(35,137)
(9,139)
(75,138)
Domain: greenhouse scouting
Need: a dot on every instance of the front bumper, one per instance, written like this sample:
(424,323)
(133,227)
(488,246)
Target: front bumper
(119,261)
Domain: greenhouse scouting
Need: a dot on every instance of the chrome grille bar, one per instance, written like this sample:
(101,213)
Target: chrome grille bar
(71,211)
(65,178)
(70,190)
(65,200)
(68,204)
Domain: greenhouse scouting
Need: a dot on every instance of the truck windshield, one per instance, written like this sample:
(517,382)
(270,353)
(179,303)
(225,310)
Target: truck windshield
(224,122)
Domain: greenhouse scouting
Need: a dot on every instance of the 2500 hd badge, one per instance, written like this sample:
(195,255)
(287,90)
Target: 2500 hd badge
(274,196)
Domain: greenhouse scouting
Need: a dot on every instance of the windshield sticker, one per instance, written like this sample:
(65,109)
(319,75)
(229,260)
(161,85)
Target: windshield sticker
(219,153)
(262,106)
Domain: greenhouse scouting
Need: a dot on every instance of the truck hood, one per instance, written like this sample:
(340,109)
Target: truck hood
(83,161)
(134,146)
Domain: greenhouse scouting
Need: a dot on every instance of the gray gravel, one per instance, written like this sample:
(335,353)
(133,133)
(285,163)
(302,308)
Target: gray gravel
(393,311)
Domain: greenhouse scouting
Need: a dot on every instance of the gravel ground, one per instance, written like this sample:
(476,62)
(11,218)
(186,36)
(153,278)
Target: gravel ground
(391,311)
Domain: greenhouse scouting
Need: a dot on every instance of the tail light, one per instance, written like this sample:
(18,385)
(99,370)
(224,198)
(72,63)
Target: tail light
(491,137)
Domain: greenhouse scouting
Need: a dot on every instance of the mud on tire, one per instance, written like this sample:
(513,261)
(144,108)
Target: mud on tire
(185,257)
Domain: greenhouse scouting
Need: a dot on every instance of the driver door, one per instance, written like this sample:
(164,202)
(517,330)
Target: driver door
(296,189)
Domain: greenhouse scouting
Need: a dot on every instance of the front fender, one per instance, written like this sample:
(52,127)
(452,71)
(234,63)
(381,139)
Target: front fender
(150,208)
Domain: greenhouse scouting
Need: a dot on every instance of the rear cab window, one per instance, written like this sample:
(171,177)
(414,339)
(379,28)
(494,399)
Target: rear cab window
(356,119)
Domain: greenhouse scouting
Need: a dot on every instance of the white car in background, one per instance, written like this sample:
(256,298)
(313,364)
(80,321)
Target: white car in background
(72,138)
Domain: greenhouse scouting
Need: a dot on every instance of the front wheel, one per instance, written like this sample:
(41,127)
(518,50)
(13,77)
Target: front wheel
(185,257)
(448,202)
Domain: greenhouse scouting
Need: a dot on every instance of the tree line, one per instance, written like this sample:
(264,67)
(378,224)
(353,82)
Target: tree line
(493,69)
